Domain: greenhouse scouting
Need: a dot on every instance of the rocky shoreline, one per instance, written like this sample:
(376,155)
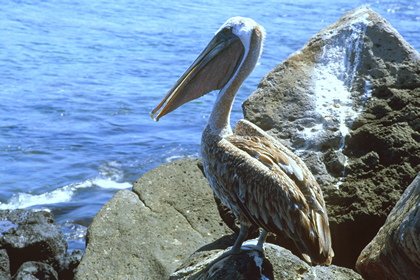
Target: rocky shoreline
(32,246)
(347,103)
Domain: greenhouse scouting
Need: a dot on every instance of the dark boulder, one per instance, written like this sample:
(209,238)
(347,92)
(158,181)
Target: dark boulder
(33,236)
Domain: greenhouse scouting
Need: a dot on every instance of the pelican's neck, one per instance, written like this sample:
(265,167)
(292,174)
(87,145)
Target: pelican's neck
(219,121)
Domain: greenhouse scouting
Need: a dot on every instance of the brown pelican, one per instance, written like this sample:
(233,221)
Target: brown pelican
(259,179)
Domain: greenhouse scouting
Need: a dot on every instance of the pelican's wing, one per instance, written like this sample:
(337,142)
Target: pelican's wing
(259,144)
(278,191)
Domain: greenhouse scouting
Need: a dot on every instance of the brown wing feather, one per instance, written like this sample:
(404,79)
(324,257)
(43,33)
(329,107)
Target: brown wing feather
(288,161)
(261,186)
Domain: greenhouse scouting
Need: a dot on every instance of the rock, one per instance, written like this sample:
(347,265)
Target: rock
(278,263)
(35,271)
(31,236)
(347,104)
(69,265)
(148,232)
(394,252)
(4,265)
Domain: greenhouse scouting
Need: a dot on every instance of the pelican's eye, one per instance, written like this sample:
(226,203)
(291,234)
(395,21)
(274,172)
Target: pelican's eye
(227,30)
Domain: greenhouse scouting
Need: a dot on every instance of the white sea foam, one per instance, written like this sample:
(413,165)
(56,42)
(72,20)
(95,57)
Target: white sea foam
(108,178)
(74,232)
(25,200)
(109,184)
(179,156)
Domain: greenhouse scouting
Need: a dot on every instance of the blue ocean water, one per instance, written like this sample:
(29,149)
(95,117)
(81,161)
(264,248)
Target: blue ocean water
(79,79)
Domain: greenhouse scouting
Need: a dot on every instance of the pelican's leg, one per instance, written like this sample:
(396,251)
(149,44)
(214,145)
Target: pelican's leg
(261,239)
(251,245)
(243,232)
(236,248)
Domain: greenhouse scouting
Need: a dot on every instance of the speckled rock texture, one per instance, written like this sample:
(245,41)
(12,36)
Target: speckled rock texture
(148,232)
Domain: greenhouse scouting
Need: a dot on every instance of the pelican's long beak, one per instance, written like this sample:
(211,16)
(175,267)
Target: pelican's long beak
(213,68)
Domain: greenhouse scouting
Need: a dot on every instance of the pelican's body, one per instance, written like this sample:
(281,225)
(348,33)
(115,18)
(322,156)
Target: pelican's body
(260,180)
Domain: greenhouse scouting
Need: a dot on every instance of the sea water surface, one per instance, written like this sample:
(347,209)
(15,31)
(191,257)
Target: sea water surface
(79,79)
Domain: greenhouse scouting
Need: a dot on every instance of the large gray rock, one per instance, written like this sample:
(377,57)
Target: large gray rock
(278,263)
(348,103)
(148,232)
(394,253)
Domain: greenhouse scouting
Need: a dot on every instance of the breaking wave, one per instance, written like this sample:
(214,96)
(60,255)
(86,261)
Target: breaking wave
(110,177)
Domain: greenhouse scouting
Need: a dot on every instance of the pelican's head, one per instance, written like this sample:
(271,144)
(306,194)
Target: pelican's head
(230,56)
